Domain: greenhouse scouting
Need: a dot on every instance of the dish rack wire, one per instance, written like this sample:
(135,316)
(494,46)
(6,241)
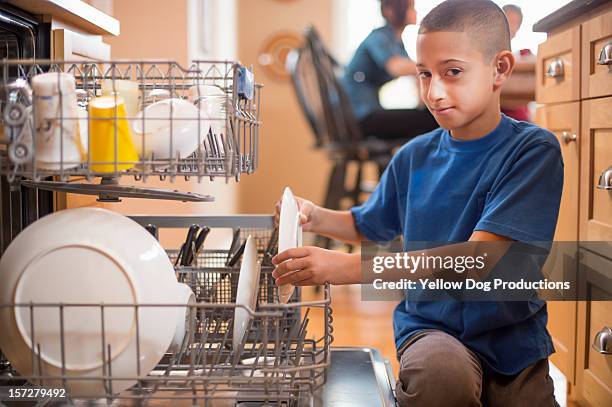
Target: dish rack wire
(228,151)
(286,363)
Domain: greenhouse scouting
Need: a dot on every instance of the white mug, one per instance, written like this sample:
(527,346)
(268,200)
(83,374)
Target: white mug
(57,141)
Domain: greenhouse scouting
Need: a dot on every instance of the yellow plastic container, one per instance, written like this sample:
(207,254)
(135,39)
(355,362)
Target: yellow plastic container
(107,124)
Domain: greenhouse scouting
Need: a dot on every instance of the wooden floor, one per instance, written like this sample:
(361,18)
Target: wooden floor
(357,322)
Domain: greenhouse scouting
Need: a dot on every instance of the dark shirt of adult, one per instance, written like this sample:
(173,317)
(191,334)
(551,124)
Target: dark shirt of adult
(380,58)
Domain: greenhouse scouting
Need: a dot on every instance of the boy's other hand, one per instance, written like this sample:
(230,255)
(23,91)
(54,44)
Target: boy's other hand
(311,265)
(307,211)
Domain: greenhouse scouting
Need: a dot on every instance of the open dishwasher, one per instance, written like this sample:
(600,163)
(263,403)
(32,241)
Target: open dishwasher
(285,357)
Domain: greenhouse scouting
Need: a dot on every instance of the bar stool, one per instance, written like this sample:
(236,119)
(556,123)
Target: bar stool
(314,73)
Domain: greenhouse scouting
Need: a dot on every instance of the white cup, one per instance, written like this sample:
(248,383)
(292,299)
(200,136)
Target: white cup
(128,90)
(57,140)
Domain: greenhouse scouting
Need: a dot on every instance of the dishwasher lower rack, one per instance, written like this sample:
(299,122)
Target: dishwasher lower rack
(163,119)
(283,359)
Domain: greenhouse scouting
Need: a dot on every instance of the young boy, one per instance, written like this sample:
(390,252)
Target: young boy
(481,177)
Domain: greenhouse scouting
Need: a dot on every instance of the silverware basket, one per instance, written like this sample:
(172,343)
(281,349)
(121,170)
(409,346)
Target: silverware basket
(282,360)
(127,117)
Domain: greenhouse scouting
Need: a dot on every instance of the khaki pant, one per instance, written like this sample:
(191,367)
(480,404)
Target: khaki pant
(438,370)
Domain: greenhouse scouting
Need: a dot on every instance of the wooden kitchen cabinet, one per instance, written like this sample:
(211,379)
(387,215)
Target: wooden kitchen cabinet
(579,101)
(558,68)
(594,370)
(596,74)
(596,156)
(69,46)
(564,121)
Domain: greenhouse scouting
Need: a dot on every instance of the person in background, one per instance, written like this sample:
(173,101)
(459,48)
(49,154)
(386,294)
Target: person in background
(514,15)
(380,58)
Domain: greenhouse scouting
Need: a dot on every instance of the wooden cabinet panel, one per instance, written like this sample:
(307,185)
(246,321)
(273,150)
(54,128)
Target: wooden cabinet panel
(559,56)
(564,121)
(596,157)
(594,368)
(596,77)
(69,46)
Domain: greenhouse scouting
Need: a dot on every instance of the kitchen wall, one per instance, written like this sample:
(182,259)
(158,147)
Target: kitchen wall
(286,153)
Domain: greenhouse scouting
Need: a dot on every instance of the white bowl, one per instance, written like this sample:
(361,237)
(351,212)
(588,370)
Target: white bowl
(169,118)
(86,256)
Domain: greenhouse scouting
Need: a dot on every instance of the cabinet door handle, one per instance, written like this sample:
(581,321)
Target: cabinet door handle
(555,68)
(603,341)
(605,55)
(605,179)
(568,137)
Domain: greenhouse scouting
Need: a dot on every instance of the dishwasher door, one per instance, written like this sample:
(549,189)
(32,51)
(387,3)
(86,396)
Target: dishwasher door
(357,377)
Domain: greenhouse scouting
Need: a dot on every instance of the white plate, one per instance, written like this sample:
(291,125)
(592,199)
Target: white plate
(185,319)
(289,235)
(86,256)
(246,294)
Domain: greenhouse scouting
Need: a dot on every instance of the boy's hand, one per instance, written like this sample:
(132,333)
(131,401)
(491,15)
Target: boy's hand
(307,211)
(311,265)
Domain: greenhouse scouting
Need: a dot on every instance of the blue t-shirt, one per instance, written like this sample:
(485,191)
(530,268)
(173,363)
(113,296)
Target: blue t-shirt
(440,189)
(366,72)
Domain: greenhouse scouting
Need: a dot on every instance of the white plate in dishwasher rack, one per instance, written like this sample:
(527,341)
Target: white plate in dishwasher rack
(246,293)
(289,235)
(82,258)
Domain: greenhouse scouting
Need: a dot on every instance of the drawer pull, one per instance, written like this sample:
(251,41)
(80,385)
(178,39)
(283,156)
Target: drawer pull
(605,55)
(605,179)
(568,137)
(555,69)
(603,341)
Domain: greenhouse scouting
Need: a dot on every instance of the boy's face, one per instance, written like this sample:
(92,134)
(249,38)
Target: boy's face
(456,83)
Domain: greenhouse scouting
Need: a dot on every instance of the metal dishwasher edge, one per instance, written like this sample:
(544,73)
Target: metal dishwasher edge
(357,377)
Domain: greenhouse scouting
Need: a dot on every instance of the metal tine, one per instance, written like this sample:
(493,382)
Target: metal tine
(237,354)
(225,340)
(300,339)
(33,333)
(103,340)
(62,345)
(40,366)
(110,373)
(200,357)
(212,71)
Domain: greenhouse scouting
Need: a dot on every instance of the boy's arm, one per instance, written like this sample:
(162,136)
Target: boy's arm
(313,265)
(338,225)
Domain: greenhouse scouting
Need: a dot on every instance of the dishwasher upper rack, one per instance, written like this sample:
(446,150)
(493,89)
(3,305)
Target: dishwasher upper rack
(225,141)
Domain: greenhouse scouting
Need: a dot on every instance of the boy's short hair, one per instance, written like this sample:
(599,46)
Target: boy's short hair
(482,20)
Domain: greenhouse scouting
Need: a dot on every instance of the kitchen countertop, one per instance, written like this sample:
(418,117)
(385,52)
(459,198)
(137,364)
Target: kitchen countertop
(76,12)
(571,10)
